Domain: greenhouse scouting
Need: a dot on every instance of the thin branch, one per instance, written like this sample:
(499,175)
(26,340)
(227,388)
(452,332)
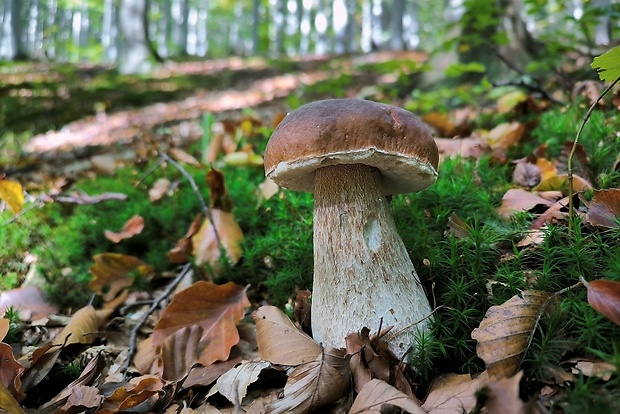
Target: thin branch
(133,337)
(205,210)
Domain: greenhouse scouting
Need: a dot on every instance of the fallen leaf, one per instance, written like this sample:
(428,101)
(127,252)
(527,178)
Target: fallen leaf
(518,199)
(505,330)
(8,403)
(526,173)
(377,393)
(556,212)
(604,297)
(204,242)
(182,156)
(366,363)
(180,253)
(441,122)
(206,313)
(4,327)
(268,189)
(454,393)
(13,194)
(136,392)
(472,147)
(234,384)
(113,272)
(81,399)
(103,164)
(132,227)
(159,190)
(29,301)
(243,159)
(509,101)
(10,372)
(505,135)
(82,328)
(592,368)
(279,340)
(560,183)
(604,209)
(314,384)
(503,396)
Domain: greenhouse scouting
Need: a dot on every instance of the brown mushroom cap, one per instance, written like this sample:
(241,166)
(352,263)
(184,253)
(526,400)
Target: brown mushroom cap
(352,131)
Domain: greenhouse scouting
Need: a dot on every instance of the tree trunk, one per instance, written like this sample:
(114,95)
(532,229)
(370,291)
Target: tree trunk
(135,54)
(396,23)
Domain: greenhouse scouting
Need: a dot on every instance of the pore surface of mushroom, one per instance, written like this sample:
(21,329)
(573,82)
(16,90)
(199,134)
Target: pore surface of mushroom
(352,153)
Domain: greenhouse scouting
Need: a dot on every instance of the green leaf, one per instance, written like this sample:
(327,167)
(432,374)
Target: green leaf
(608,65)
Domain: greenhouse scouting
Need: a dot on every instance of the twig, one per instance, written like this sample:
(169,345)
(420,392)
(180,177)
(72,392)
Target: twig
(572,151)
(205,210)
(133,337)
(150,171)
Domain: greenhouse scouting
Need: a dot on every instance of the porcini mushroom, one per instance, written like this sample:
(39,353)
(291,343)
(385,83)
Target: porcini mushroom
(351,154)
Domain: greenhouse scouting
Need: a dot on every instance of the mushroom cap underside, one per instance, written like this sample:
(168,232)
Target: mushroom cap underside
(352,131)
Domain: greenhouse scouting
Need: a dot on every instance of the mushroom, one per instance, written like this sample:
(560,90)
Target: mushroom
(351,154)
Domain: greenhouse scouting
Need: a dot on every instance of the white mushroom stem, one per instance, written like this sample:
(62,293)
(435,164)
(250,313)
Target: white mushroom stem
(362,271)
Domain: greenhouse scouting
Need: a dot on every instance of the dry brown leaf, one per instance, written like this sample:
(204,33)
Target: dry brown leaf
(377,394)
(132,227)
(8,403)
(454,393)
(234,384)
(136,392)
(113,272)
(279,340)
(267,189)
(517,199)
(180,253)
(604,297)
(558,211)
(593,368)
(560,183)
(81,399)
(604,209)
(204,376)
(505,135)
(29,301)
(182,156)
(204,243)
(314,384)
(526,173)
(509,101)
(13,195)
(200,323)
(220,199)
(41,362)
(504,396)
(146,357)
(472,147)
(82,328)
(505,330)
(441,122)
(10,372)
(4,327)
(159,190)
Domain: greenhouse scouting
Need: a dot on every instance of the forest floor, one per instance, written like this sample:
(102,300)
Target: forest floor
(144,248)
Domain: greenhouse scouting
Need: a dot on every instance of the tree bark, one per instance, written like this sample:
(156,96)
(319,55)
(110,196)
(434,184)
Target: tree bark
(135,54)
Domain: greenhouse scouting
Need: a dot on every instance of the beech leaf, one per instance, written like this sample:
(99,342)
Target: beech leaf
(234,384)
(8,403)
(279,340)
(114,271)
(132,227)
(204,242)
(505,330)
(454,393)
(377,393)
(604,209)
(315,384)
(204,316)
(10,372)
(82,327)
(29,301)
(604,297)
(504,396)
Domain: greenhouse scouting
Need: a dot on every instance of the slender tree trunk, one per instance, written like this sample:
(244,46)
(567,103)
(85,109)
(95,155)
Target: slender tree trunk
(396,24)
(135,53)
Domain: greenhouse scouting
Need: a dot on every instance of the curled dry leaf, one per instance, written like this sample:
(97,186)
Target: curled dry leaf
(136,392)
(604,210)
(180,253)
(114,272)
(182,156)
(604,297)
(82,327)
(10,372)
(202,319)
(454,393)
(132,227)
(505,330)
(234,384)
(315,384)
(279,340)
(377,393)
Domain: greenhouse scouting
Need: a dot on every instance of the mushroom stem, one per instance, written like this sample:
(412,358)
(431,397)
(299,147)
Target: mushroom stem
(362,271)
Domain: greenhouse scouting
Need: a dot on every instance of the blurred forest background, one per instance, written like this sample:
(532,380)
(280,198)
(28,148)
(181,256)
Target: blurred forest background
(136,33)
